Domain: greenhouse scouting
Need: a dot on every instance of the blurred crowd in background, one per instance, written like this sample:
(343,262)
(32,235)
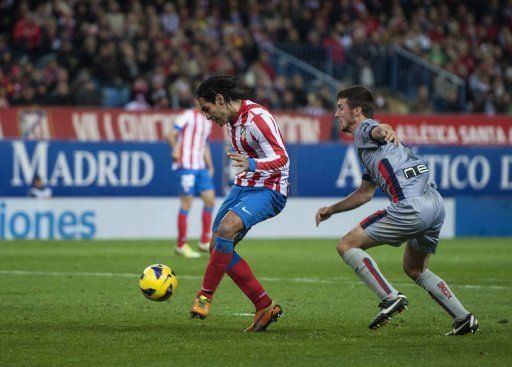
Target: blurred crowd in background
(151,54)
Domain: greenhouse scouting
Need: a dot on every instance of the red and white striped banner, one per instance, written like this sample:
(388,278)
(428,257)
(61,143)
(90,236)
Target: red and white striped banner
(101,124)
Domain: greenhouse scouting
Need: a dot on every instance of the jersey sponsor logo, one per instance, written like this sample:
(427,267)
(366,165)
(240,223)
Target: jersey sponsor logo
(415,171)
(245,210)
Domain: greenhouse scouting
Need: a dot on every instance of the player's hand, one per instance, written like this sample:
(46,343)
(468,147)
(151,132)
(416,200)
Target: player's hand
(240,162)
(176,155)
(388,134)
(323,214)
(211,171)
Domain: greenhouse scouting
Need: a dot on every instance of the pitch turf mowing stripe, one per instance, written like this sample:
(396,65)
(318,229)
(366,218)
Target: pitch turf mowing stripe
(195,277)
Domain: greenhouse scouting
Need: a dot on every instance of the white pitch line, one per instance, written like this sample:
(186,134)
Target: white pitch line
(196,277)
(62,274)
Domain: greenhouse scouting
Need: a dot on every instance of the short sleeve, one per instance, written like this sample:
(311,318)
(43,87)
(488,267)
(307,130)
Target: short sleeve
(181,120)
(362,136)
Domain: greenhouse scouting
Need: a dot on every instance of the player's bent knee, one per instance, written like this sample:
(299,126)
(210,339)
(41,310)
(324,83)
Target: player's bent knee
(225,231)
(354,239)
(411,272)
(346,244)
(229,226)
(342,248)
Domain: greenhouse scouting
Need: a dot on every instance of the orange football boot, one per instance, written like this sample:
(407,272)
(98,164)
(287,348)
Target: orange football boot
(200,307)
(264,317)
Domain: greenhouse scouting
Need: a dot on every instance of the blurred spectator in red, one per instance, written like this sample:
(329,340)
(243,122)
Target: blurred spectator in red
(119,42)
(27,33)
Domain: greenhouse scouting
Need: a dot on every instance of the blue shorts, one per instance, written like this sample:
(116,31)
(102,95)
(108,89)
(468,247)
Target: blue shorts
(194,181)
(251,204)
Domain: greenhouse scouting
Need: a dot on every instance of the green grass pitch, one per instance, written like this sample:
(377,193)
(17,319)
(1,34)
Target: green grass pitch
(78,303)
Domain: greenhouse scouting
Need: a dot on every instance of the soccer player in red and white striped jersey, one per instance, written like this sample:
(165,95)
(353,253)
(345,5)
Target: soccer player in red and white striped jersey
(255,135)
(193,132)
(194,170)
(259,192)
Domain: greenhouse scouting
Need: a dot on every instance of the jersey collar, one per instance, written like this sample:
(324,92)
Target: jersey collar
(242,109)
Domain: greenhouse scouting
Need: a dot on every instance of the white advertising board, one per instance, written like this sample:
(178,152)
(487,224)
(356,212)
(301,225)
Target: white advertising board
(155,218)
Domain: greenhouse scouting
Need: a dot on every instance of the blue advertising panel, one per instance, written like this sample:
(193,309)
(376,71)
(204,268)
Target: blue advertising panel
(334,170)
(92,169)
(144,169)
(483,216)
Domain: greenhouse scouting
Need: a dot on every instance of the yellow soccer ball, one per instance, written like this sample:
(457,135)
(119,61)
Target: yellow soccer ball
(158,282)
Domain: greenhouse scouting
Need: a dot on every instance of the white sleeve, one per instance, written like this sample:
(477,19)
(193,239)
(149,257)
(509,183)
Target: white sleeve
(182,120)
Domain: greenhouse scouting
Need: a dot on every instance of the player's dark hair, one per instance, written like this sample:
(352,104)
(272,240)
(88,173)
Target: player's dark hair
(226,85)
(359,96)
(36,178)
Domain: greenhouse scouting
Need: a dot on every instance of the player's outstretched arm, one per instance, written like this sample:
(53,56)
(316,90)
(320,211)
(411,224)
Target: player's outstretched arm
(357,198)
(384,132)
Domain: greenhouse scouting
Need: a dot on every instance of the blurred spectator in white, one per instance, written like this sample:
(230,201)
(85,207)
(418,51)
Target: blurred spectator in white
(139,91)
(180,92)
(488,107)
(39,190)
(314,106)
(170,19)
(115,18)
(138,103)
(381,102)
(260,72)
(157,88)
(366,77)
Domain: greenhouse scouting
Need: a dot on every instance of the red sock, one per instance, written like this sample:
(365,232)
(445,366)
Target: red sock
(242,275)
(220,258)
(207,225)
(182,227)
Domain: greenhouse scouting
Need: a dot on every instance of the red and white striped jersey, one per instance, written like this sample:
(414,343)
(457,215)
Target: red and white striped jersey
(255,134)
(194,130)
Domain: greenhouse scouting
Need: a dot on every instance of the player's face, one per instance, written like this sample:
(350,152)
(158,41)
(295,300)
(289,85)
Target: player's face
(216,112)
(38,183)
(344,115)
